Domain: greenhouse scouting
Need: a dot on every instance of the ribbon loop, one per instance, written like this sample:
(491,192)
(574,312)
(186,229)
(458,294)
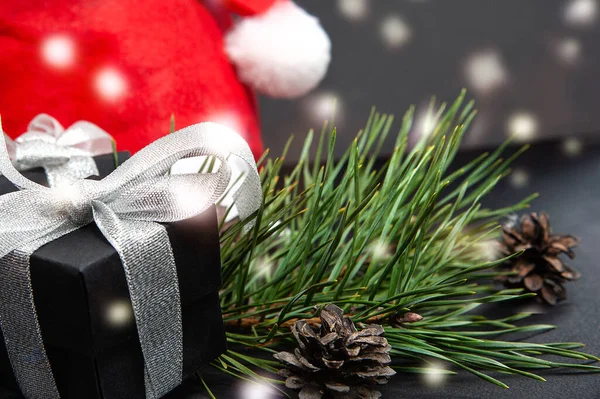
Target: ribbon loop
(46,125)
(65,155)
(126,206)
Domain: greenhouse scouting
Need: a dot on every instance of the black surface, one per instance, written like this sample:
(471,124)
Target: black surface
(569,188)
(78,277)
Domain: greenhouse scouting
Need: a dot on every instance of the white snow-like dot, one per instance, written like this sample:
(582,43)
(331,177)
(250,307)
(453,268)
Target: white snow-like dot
(489,250)
(434,376)
(395,32)
(323,106)
(519,178)
(58,51)
(424,124)
(568,51)
(110,84)
(485,71)
(254,390)
(572,146)
(380,250)
(353,10)
(522,126)
(581,13)
(120,313)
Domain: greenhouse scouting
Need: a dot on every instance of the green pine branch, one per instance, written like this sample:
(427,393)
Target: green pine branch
(379,241)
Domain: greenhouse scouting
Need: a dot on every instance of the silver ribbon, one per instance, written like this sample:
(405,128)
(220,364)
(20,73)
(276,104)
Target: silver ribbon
(126,206)
(65,155)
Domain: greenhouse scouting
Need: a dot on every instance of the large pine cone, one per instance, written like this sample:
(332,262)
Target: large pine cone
(539,269)
(335,360)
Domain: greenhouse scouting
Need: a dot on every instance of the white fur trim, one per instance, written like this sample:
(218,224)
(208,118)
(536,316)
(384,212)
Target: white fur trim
(283,52)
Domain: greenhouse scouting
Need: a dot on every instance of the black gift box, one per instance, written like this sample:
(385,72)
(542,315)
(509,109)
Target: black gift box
(85,313)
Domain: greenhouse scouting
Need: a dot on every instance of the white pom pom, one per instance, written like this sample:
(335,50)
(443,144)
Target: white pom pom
(283,52)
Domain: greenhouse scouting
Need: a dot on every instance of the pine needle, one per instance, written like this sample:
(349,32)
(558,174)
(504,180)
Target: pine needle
(380,239)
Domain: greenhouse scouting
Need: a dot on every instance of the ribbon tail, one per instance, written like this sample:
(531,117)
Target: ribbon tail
(149,264)
(22,335)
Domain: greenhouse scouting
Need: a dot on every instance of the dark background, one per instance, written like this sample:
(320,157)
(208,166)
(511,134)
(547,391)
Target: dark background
(533,66)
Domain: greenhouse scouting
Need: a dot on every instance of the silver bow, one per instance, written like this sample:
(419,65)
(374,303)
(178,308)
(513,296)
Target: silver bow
(125,206)
(65,155)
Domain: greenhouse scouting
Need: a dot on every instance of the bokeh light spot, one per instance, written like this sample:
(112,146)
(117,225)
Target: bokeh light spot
(485,71)
(425,123)
(568,51)
(58,51)
(380,250)
(572,146)
(110,84)
(489,249)
(119,313)
(395,32)
(434,376)
(522,126)
(353,10)
(254,390)
(519,178)
(581,13)
(323,106)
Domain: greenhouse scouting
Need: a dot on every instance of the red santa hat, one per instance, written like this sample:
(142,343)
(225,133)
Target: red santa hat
(127,65)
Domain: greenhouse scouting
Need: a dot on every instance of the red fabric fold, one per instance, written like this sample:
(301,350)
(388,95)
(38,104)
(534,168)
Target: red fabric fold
(249,7)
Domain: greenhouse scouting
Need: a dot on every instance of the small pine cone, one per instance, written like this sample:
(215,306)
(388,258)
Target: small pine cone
(335,360)
(539,269)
